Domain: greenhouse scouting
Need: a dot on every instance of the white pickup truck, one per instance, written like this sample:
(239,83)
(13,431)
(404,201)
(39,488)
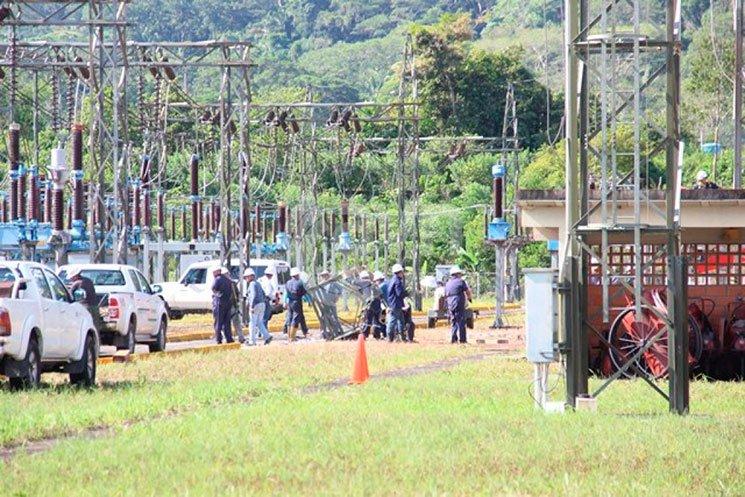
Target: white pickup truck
(192,294)
(130,311)
(42,329)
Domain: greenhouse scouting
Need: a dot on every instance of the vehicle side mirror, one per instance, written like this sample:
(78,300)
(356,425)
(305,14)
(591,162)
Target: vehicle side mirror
(156,289)
(22,286)
(79,295)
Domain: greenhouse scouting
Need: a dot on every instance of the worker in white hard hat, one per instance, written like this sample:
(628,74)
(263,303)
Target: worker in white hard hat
(255,304)
(456,293)
(396,293)
(703,183)
(269,284)
(294,293)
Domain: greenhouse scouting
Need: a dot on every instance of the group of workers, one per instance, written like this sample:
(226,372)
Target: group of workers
(253,303)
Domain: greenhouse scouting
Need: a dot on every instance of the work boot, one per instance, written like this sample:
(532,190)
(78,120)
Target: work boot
(292,331)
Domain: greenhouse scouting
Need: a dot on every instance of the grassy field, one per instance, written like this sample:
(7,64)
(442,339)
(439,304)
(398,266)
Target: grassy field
(466,431)
(148,389)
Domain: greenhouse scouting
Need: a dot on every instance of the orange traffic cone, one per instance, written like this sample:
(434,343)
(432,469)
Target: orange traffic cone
(360,374)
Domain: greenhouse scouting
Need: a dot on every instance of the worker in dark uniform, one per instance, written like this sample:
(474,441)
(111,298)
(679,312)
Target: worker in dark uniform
(456,293)
(375,311)
(80,282)
(222,305)
(395,297)
(295,291)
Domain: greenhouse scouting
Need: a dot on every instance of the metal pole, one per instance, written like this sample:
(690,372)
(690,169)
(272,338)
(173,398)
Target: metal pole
(738,80)
(570,247)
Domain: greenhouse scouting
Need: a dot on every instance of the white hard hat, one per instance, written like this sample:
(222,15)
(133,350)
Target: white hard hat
(248,272)
(294,272)
(701,175)
(269,270)
(365,275)
(224,271)
(377,276)
(216,269)
(455,270)
(397,268)
(325,272)
(73,273)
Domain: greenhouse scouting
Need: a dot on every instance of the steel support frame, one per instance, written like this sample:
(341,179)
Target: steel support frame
(586,40)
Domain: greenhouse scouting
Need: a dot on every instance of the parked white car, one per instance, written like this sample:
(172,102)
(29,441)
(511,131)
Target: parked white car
(192,294)
(131,311)
(42,329)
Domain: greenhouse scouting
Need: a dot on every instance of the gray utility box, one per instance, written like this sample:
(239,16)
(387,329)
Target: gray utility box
(540,314)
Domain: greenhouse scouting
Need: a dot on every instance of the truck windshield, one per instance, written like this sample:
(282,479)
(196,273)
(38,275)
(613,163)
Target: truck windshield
(102,277)
(196,276)
(283,274)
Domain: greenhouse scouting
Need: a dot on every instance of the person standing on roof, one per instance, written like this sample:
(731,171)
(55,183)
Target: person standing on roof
(395,297)
(221,306)
(456,293)
(269,284)
(703,183)
(295,291)
(255,303)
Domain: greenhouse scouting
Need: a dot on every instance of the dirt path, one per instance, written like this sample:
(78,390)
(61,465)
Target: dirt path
(45,444)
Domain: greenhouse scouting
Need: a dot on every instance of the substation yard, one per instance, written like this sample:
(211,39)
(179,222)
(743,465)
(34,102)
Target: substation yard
(433,419)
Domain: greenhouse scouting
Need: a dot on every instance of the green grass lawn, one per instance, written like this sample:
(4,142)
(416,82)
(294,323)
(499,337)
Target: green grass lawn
(149,389)
(469,431)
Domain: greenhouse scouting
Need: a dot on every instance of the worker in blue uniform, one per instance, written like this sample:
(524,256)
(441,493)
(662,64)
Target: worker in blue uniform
(396,292)
(222,304)
(456,293)
(295,291)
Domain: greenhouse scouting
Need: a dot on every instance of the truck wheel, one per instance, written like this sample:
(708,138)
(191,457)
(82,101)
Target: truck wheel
(128,342)
(32,368)
(469,322)
(159,345)
(87,376)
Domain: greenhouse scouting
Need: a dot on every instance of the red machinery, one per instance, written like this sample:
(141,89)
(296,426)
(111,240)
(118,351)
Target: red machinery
(629,334)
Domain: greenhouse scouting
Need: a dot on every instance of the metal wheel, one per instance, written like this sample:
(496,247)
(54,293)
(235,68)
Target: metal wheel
(628,335)
(128,341)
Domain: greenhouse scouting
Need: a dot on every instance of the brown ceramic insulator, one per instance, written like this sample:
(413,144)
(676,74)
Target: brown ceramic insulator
(345,216)
(34,198)
(47,201)
(78,196)
(183,225)
(216,216)
(145,171)
(69,215)
(161,213)
(497,185)
(58,209)
(282,217)
(333,224)
(147,211)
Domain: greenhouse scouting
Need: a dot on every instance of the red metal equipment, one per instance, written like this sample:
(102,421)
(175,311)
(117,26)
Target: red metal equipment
(629,334)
